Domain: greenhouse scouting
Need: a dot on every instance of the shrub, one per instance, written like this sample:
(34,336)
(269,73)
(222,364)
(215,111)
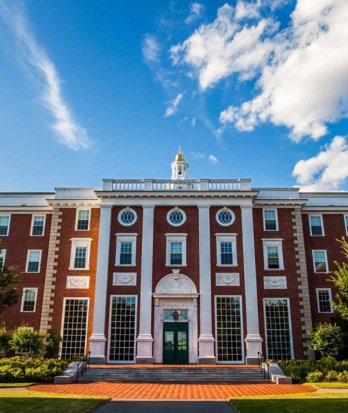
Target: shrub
(5,337)
(325,338)
(297,369)
(343,377)
(53,340)
(327,363)
(26,341)
(315,377)
(331,375)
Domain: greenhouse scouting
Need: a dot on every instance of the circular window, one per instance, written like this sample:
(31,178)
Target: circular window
(176,217)
(127,217)
(225,217)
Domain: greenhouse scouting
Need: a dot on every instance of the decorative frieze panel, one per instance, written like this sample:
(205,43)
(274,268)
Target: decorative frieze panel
(230,279)
(272,282)
(77,281)
(124,278)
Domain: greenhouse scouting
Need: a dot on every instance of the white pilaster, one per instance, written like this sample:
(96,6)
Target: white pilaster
(98,339)
(206,338)
(253,339)
(145,339)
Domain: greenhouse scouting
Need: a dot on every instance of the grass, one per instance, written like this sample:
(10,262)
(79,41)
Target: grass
(293,403)
(30,402)
(331,385)
(9,385)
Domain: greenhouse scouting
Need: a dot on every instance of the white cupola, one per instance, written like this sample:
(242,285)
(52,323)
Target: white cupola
(179,166)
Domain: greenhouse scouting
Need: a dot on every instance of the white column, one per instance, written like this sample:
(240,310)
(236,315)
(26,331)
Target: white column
(145,339)
(98,339)
(253,339)
(206,339)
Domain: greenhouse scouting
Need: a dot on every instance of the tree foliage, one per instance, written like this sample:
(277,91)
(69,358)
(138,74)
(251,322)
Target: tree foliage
(340,279)
(8,294)
(26,341)
(326,338)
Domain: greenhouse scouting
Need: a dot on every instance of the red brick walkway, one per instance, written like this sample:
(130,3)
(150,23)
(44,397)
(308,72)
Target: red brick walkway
(149,391)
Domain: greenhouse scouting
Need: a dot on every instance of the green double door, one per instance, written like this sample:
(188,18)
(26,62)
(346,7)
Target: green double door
(175,343)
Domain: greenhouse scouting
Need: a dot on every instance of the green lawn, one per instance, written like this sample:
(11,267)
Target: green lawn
(9,385)
(294,403)
(331,385)
(30,402)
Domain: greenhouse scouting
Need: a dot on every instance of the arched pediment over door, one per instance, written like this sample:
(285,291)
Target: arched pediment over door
(176,285)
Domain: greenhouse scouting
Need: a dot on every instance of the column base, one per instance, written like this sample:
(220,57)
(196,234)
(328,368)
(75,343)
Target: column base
(253,347)
(144,360)
(97,346)
(144,349)
(206,344)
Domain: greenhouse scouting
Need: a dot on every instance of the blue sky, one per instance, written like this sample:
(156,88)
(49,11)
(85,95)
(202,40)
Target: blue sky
(109,89)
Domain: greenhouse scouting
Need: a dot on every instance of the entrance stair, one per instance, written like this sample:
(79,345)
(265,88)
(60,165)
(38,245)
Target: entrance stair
(174,374)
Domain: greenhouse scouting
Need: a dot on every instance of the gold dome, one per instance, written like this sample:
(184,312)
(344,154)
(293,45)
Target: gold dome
(180,157)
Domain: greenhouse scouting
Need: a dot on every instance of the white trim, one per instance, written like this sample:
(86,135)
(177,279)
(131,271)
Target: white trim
(226,238)
(23,295)
(126,238)
(79,242)
(9,223)
(176,209)
(127,209)
(242,329)
(77,218)
(290,323)
(176,238)
(326,262)
(225,209)
(264,219)
(273,243)
(27,263)
(3,252)
(320,216)
(330,300)
(135,329)
(32,225)
(345,219)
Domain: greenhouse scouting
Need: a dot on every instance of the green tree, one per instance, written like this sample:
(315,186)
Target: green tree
(340,279)
(8,294)
(5,337)
(53,340)
(326,338)
(26,341)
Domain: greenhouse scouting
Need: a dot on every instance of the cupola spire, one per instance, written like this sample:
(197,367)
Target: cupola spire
(179,166)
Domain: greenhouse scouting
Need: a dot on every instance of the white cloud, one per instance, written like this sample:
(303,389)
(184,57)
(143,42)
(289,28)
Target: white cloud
(325,171)
(67,129)
(198,155)
(196,9)
(173,105)
(193,122)
(150,48)
(213,159)
(221,48)
(247,9)
(304,87)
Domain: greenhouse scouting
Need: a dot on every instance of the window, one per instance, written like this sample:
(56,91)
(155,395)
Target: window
(4,225)
(270,220)
(126,249)
(127,217)
(229,332)
(273,254)
(176,249)
(226,250)
(176,217)
(75,315)
(38,225)
(33,261)
(225,217)
(316,225)
(320,261)
(346,224)
(278,328)
(324,300)
(2,257)
(79,257)
(82,219)
(29,300)
(122,328)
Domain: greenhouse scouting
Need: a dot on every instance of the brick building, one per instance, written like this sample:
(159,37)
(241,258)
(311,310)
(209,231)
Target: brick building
(173,271)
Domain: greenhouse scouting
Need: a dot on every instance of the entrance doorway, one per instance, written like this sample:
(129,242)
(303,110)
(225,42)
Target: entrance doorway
(175,343)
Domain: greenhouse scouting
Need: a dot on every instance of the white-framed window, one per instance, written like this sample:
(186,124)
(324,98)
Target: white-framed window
(324,300)
(2,257)
(346,224)
(270,219)
(176,249)
(74,327)
(225,217)
(29,298)
(273,254)
(277,317)
(320,261)
(176,217)
(316,225)
(127,217)
(4,224)
(83,217)
(126,249)
(33,261)
(80,251)
(38,225)
(226,250)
